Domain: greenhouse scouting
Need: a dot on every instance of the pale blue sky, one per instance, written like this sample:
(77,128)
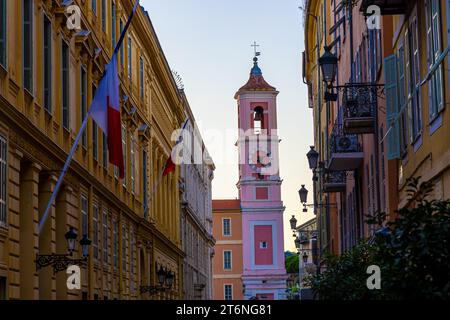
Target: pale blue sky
(208,43)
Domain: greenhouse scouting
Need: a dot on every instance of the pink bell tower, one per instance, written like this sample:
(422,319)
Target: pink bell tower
(264,274)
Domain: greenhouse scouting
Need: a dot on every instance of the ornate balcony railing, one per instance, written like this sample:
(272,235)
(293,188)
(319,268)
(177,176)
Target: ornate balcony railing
(360,104)
(334,181)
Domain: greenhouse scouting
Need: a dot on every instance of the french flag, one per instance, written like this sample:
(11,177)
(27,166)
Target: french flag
(105,111)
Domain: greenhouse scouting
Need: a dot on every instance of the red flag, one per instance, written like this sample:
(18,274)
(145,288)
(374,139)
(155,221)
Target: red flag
(169,167)
(105,111)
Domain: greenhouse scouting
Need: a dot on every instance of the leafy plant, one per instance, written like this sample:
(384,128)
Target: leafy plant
(413,253)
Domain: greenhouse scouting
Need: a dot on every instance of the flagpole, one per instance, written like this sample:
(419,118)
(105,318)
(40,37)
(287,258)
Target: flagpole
(80,134)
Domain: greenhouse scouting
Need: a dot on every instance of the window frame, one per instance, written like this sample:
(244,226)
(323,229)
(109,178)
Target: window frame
(130,57)
(434,49)
(3,180)
(3,36)
(83,102)
(47,53)
(94,129)
(225,286)
(141,78)
(95,231)
(229,227)
(105,236)
(124,248)
(65,82)
(28,25)
(125,152)
(84,215)
(225,265)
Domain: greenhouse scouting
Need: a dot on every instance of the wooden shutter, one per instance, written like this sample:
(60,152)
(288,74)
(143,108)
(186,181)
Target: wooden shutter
(393,136)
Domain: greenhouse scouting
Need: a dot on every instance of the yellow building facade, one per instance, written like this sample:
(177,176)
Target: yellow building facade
(404,53)
(420,96)
(48,77)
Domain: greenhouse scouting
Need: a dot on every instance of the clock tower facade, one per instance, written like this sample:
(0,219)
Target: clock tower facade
(264,274)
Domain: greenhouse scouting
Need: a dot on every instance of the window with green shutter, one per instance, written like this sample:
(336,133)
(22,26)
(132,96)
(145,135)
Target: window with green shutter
(393,135)
(434,49)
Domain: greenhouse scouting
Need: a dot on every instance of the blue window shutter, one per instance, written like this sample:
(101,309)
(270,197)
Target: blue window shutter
(393,137)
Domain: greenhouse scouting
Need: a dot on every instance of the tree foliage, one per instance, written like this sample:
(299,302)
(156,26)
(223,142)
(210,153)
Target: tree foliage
(413,253)
(292,264)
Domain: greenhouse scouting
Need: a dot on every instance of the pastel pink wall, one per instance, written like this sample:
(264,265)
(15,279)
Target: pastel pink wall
(263,256)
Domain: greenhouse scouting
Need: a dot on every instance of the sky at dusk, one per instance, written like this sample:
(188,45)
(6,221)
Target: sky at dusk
(208,42)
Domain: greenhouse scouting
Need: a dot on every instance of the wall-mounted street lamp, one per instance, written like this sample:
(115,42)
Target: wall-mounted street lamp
(293,223)
(313,158)
(165,279)
(303,193)
(305,258)
(328,64)
(61,262)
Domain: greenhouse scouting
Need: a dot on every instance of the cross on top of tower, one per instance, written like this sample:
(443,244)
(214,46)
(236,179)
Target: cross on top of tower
(255,47)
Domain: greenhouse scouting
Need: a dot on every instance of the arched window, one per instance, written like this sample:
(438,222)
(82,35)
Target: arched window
(258,120)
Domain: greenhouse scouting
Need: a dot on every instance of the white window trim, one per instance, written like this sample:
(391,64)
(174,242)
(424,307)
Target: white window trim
(231,260)
(224,290)
(223,227)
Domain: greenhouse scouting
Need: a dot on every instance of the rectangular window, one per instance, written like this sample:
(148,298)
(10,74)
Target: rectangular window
(104,151)
(227,260)
(144,182)
(414,80)
(124,148)
(65,84)
(94,6)
(94,130)
(105,236)
(226,227)
(403,117)
(94,140)
(113,24)
(129,57)
(47,66)
(84,216)
(96,233)
(104,15)
(132,264)
(83,104)
(124,248)
(263,245)
(132,164)
(3,181)
(121,47)
(115,243)
(435,88)
(141,78)
(3,16)
(28,45)
(228,292)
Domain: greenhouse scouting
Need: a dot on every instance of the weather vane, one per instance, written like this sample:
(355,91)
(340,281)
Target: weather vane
(255,47)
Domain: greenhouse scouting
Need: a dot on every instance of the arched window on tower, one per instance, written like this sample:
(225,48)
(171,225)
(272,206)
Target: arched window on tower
(258,120)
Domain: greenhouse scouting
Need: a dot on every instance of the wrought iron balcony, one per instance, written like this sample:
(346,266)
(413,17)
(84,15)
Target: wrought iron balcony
(388,7)
(345,151)
(334,182)
(360,104)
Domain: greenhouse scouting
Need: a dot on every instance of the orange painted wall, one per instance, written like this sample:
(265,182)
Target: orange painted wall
(227,209)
